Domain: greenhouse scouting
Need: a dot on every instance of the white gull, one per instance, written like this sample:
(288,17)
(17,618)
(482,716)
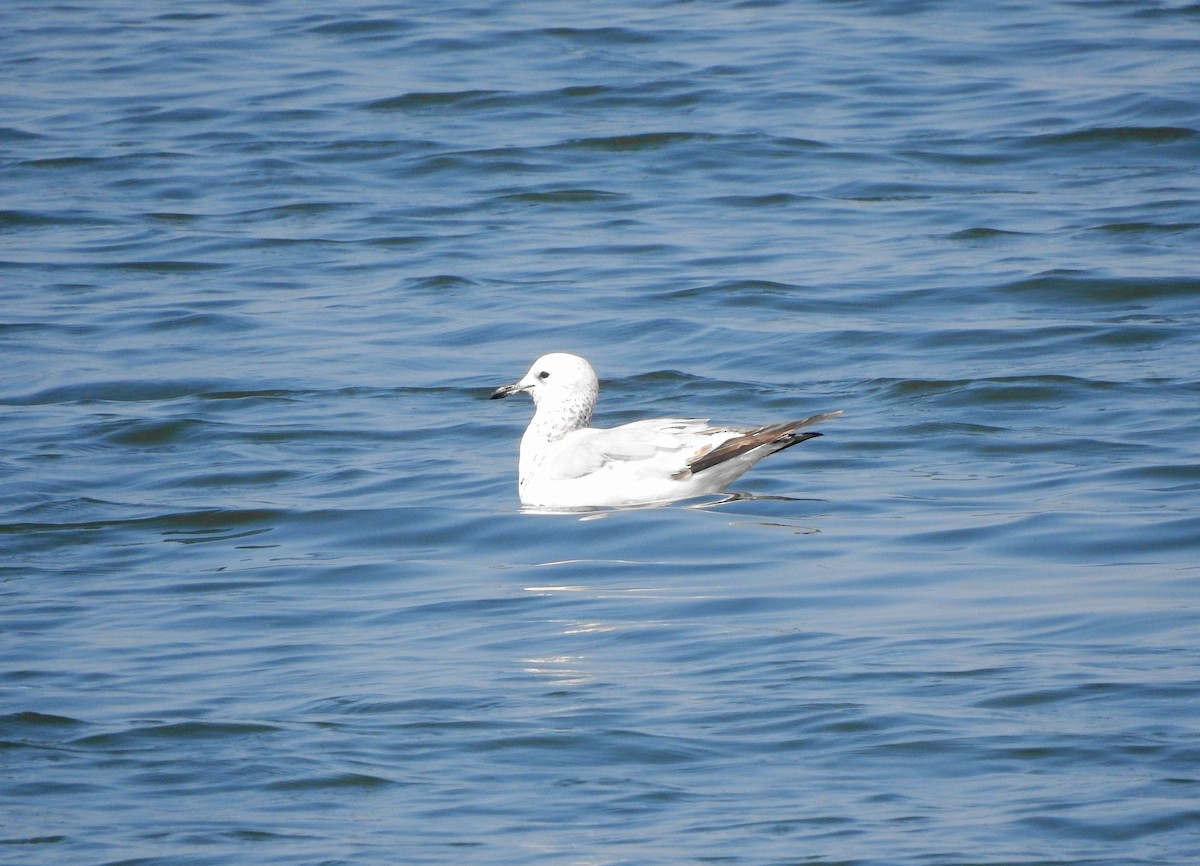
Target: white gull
(567,464)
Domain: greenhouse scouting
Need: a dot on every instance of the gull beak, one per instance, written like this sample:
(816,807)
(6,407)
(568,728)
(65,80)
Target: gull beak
(507,391)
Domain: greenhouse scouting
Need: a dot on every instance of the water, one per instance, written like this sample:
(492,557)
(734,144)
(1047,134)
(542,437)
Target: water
(267,593)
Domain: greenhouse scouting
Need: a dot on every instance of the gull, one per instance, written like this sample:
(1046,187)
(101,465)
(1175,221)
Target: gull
(565,464)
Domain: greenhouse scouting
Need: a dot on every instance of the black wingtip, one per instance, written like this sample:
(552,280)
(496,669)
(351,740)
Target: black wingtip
(775,437)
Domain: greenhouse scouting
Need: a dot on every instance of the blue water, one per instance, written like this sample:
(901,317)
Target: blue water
(266,591)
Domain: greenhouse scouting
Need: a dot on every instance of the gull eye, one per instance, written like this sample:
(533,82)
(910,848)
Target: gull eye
(543,375)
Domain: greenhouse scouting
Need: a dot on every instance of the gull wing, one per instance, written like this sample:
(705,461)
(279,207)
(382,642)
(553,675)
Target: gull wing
(661,445)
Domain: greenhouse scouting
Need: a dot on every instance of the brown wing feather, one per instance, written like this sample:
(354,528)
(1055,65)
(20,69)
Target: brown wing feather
(780,435)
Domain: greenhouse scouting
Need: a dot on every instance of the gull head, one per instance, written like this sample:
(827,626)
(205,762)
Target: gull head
(563,386)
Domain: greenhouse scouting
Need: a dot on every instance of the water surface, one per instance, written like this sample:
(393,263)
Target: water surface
(267,592)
